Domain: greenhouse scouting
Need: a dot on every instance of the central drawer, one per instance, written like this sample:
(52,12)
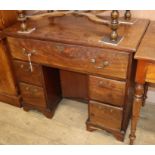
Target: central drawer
(72,57)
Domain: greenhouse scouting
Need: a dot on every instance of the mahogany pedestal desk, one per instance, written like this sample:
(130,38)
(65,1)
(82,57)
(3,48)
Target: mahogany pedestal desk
(70,48)
(145,73)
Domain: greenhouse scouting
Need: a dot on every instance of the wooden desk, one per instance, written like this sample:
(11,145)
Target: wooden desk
(70,48)
(145,73)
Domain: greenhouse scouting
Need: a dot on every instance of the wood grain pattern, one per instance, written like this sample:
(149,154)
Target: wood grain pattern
(74,85)
(106,90)
(24,74)
(81,31)
(146,49)
(7,18)
(150,73)
(105,115)
(32,95)
(70,57)
(7,81)
(8,88)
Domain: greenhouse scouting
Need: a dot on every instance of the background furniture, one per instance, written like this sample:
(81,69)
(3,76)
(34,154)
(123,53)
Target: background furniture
(145,73)
(8,89)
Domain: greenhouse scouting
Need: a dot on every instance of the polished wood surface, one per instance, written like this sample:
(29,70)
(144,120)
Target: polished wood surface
(70,52)
(24,74)
(81,31)
(8,87)
(145,73)
(105,115)
(33,95)
(74,85)
(147,44)
(114,91)
(75,58)
(7,18)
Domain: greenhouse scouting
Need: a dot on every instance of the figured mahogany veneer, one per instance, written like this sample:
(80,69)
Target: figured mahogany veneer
(76,64)
(23,72)
(106,90)
(75,58)
(105,115)
(33,95)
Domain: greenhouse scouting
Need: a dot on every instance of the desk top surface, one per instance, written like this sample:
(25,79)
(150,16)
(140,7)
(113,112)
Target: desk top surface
(80,30)
(146,49)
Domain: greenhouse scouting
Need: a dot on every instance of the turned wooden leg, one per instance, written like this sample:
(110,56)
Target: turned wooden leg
(138,99)
(145,93)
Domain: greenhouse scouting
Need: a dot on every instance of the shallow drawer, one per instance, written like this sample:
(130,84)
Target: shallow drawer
(105,116)
(32,95)
(106,90)
(24,74)
(72,57)
(150,74)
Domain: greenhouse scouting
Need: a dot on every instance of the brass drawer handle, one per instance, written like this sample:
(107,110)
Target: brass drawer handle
(22,66)
(111,110)
(103,65)
(93,61)
(27,88)
(60,48)
(26,52)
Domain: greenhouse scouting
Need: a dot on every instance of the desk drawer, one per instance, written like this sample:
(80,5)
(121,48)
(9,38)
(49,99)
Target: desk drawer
(106,90)
(72,57)
(32,95)
(105,116)
(24,74)
(150,75)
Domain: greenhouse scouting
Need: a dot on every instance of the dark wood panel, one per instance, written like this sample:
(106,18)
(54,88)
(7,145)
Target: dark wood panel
(7,81)
(74,85)
(24,74)
(76,58)
(105,116)
(106,90)
(52,87)
(32,95)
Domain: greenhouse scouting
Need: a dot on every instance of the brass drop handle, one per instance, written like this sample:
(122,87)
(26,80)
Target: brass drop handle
(22,66)
(111,110)
(103,65)
(60,48)
(93,60)
(27,88)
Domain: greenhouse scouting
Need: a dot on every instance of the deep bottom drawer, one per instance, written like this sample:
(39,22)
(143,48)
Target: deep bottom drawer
(32,95)
(105,116)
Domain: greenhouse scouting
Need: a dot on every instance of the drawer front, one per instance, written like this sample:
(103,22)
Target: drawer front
(32,95)
(150,74)
(24,74)
(105,116)
(71,57)
(106,90)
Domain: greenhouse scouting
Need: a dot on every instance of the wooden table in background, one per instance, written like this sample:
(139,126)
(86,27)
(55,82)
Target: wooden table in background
(145,74)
